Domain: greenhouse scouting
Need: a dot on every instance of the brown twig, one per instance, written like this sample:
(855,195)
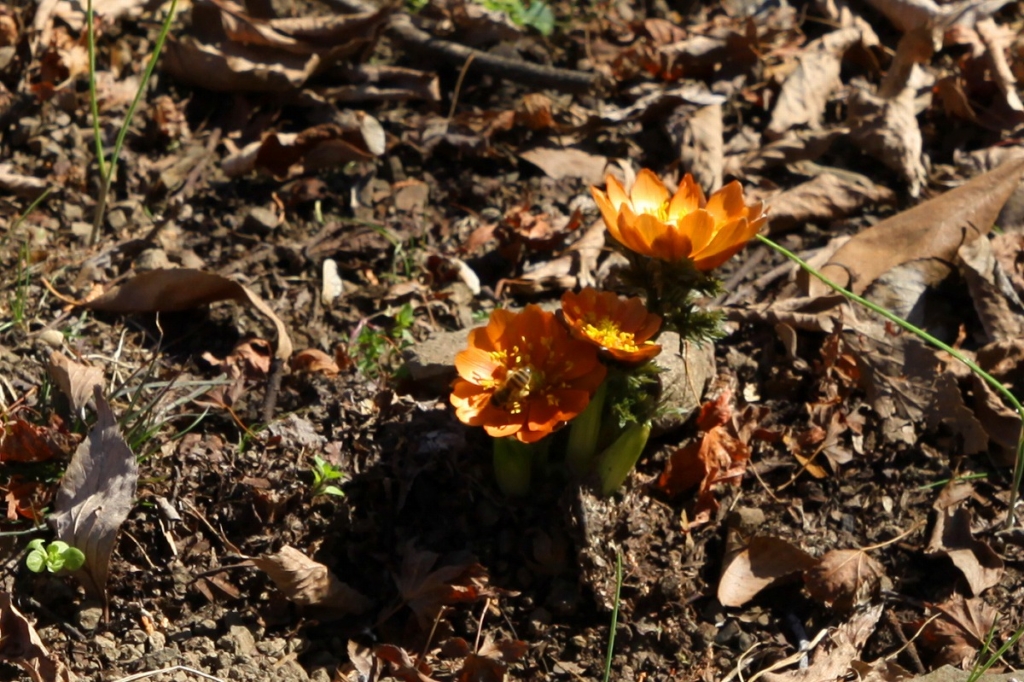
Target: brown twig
(401,28)
(273,389)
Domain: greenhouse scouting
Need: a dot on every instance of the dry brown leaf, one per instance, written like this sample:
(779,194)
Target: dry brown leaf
(933,229)
(719,455)
(882,670)
(795,146)
(960,630)
(951,537)
(833,661)
(235,68)
(27,499)
(763,562)
(233,52)
(95,496)
(807,90)
(460,579)
(700,135)
(171,290)
(826,197)
(322,147)
(25,442)
(490,663)
(567,162)
(402,665)
(886,129)
(844,578)
(311,584)
(998,306)
(314,360)
(948,409)
(21,646)
(75,380)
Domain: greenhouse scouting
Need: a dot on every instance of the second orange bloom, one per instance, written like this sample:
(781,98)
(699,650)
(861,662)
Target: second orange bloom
(621,327)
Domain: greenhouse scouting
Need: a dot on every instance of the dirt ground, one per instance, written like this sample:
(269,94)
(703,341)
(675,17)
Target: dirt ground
(408,157)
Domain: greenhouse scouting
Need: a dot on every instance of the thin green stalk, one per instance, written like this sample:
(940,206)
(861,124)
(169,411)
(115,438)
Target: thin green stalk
(1018,467)
(94,100)
(980,667)
(615,616)
(108,177)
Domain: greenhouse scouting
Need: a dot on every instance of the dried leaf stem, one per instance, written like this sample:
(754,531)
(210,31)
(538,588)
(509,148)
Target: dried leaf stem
(1018,467)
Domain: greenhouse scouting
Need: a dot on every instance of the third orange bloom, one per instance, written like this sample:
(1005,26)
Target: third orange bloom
(652,222)
(620,326)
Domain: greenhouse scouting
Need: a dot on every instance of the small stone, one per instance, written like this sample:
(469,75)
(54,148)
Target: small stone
(260,221)
(51,337)
(684,378)
(89,616)
(117,219)
(152,259)
(81,229)
(245,643)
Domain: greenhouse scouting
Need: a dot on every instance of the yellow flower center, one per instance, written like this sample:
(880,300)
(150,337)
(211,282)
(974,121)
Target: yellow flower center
(607,333)
(661,212)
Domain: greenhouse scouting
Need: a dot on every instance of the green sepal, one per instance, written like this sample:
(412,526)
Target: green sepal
(619,458)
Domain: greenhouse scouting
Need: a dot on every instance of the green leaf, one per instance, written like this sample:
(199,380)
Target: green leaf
(36,560)
(37,545)
(540,17)
(74,559)
(334,490)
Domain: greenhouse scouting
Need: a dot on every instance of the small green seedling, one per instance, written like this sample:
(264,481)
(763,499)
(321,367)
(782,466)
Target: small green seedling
(376,350)
(535,14)
(53,557)
(323,473)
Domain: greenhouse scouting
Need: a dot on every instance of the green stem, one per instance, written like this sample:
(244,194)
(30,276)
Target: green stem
(1018,468)
(513,466)
(584,433)
(615,616)
(94,101)
(111,171)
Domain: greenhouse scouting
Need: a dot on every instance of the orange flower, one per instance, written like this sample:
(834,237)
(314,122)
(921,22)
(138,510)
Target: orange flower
(523,375)
(620,326)
(654,223)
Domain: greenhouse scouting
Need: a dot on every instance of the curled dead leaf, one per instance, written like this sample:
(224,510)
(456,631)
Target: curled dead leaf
(21,646)
(177,289)
(311,584)
(75,380)
(95,496)
(763,562)
(952,537)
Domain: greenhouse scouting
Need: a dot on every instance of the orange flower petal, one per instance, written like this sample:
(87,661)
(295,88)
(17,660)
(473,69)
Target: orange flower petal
(726,204)
(700,227)
(650,230)
(608,211)
(673,245)
(642,354)
(688,198)
(475,365)
(649,194)
(630,236)
(616,192)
